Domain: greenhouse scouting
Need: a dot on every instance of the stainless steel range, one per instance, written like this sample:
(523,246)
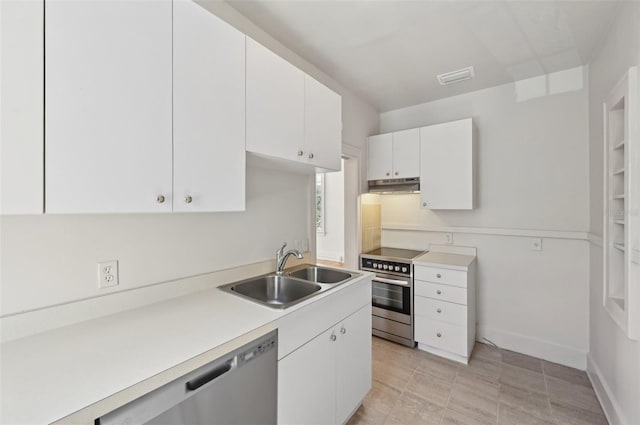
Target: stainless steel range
(392,292)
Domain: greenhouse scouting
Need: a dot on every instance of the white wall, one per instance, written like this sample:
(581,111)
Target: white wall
(614,360)
(532,181)
(330,245)
(49,260)
(532,154)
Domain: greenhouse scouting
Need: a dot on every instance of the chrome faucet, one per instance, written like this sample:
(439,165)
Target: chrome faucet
(282,257)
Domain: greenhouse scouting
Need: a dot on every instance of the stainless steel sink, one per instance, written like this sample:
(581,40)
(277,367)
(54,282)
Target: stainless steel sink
(321,275)
(273,290)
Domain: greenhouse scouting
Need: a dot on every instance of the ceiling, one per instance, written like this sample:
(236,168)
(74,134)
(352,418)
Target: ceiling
(389,52)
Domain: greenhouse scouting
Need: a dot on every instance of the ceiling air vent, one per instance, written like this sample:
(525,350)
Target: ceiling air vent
(455,76)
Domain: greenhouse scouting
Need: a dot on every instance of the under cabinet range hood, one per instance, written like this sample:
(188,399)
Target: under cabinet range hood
(406,185)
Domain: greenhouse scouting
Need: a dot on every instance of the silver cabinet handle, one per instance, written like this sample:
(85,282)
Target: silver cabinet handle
(439,335)
(333,337)
(438,275)
(311,155)
(439,310)
(188,199)
(160,199)
(439,292)
(300,153)
(424,204)
(343,330)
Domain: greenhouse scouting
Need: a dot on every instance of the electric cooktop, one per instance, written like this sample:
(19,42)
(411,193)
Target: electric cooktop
(404,254)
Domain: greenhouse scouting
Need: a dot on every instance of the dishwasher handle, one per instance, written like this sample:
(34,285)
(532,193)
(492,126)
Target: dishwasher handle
(199,381)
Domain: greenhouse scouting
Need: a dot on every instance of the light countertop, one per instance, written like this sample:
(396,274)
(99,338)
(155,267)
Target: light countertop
(445,260)
(48,376)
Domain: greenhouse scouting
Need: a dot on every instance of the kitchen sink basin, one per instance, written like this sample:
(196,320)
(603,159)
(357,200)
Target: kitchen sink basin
(273,290)
(321,275)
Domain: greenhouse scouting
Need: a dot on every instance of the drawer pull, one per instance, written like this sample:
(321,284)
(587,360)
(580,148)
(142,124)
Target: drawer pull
(439,335)
(439,292)
(438,275)
(439,310)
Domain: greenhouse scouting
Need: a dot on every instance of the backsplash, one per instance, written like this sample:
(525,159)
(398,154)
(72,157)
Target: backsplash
(371,226)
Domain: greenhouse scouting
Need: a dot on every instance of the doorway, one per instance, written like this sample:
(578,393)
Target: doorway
(336,215)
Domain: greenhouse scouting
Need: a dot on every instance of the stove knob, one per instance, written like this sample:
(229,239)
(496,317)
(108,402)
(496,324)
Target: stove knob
(397,268)
(377,265)
(384,266)
(404,270)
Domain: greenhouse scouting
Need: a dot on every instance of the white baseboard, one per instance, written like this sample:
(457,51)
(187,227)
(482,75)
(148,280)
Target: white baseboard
(605,396)
(547,350)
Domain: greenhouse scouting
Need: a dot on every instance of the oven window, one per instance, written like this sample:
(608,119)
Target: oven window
(391,297)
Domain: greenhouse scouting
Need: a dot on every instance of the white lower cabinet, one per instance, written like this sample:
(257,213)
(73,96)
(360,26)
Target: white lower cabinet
(353,368)
(444,308)
(325,380)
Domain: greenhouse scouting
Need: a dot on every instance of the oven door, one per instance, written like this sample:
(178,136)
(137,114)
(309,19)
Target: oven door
(391,296)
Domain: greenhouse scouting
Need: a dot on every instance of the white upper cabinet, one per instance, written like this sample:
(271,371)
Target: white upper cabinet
(322,125)
(380,155)
(108,105)
(275,104)
(394,155)
(290,115)
(208,111)
(22,99)
(447,166)
(406,153)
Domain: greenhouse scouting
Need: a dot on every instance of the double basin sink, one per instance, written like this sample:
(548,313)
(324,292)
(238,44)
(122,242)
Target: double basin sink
(291,287)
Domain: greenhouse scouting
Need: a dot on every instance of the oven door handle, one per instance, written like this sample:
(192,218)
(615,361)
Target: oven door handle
(392,281)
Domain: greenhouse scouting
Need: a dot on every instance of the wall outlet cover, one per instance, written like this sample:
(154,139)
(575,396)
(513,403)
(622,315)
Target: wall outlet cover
(448,238)
(536,244)
(108,274)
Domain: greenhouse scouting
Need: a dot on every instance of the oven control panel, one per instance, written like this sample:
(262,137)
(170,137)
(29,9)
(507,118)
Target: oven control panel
(386,266)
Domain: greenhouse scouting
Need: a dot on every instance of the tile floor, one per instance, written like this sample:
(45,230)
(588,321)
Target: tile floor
(497,387)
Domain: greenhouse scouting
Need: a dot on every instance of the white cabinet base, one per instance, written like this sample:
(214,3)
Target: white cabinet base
(446,354)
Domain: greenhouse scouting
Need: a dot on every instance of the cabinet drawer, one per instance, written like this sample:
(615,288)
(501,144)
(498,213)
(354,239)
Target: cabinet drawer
(455,314)
(444,276)
(441,292)
(441,335)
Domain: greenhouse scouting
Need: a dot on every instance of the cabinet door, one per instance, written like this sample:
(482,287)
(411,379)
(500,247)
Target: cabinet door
(275,104)
(406,153)
(353,362)
(447,166)
(307,383)
(108,107)
(322,125)
(21,132)
(380,157)
(209,111)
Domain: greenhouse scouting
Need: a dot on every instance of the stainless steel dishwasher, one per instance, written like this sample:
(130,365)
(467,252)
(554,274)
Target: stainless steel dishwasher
(239,388)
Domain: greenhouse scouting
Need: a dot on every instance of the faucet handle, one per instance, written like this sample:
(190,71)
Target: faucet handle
(281,250)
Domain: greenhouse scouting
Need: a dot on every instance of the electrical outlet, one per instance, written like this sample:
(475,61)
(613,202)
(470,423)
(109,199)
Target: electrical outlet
(305,245)
(108,274)
(448,238)
(536,244)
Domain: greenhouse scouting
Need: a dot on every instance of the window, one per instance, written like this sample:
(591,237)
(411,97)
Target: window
(320,203)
